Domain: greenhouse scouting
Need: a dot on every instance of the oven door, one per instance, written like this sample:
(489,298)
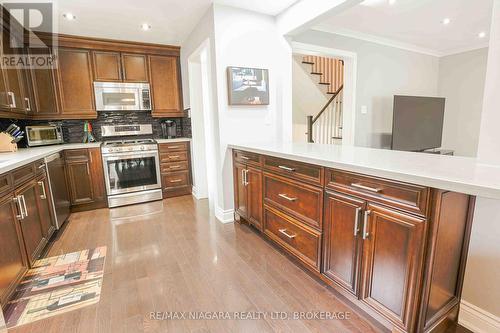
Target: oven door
(131,172)
(116,97)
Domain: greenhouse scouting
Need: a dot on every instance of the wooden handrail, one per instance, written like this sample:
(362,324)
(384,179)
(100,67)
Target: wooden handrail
(327,104)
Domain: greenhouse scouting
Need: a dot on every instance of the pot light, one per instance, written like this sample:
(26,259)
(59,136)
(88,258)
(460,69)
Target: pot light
(482,34)
(392,2)
(69,16)
(145,27)
(446,21)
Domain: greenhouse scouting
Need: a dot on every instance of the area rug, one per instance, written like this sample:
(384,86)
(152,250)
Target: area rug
(56,285)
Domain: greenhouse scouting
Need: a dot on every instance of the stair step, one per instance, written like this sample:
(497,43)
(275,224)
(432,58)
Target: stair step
(316,73)
(326,83)
(308,62)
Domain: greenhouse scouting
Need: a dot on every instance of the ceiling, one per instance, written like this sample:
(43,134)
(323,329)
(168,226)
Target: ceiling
(171,20)
(416,24)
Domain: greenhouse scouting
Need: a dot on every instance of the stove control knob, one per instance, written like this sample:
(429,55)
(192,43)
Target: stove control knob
(143,148)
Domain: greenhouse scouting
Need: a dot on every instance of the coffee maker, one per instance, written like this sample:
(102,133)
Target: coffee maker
(169,129)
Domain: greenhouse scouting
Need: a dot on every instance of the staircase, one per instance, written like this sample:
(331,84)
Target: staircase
(326,126)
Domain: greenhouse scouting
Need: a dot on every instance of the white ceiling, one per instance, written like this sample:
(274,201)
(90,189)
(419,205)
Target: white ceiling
(416,24)
(171,20)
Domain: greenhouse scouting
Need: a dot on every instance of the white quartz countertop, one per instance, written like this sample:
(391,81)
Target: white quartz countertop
(459,174)
(10,161)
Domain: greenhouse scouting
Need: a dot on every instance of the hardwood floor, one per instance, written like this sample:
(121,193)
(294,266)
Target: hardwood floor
(172,256)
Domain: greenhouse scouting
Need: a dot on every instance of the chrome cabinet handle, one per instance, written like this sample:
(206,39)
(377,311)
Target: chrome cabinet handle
(44,194)
(286,197)
(12,103)
(286,168)
(41,166)
(283,231)
(356,221)
(243,177)
(28,103)
(367,188)
(17,200)
(246,178)
(24,205)
(365,225)
(88,169)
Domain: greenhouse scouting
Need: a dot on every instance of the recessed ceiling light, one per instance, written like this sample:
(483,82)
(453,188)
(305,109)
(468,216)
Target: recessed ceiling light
(145,27)
(446,21)
(482,34)
(69,16)
(392,2)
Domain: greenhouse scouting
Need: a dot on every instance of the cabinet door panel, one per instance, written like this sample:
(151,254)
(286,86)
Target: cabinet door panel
(44,207)
(165,86)
(44,92)
(75,83)
(392,263)
(80,182)
(342,240)
(135,68)
(240,190)
(13,260)
(254,193)
(107,66)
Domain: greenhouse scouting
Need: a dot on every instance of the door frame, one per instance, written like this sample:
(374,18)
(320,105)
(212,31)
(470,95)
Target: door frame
(350,75)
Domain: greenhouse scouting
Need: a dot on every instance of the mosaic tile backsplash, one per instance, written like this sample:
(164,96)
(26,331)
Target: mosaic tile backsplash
(73,129)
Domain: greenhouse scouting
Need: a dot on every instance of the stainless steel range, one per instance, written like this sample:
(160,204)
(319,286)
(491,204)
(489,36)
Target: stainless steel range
(131,166)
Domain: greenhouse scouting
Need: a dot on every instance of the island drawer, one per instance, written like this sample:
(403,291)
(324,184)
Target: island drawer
(304,202)
(245,157)
(77,154)
(23,174)
(312,174)
(174,146)
(5,183)
(175,179)
(173,156)
(409,197)
(174,166)
(300,241)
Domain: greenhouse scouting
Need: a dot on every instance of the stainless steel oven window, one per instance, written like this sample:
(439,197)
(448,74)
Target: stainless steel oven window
(132,172)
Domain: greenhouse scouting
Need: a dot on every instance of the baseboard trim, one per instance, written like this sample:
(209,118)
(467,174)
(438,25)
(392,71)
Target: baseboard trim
(224,216)
(477,319)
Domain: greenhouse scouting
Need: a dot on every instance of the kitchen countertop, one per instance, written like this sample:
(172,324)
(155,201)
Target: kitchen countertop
(454,173)
(10,161)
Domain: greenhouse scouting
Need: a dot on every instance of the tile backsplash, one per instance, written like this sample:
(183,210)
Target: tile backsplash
(73,129)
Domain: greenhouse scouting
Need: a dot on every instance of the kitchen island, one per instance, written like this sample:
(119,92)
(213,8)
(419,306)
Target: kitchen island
(387,229)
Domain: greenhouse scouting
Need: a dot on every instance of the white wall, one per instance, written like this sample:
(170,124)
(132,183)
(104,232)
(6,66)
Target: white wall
(461,81)
(382,72)
(307,99)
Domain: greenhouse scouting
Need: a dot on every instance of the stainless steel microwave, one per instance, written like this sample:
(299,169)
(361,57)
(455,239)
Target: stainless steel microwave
(121,96)
(44,135)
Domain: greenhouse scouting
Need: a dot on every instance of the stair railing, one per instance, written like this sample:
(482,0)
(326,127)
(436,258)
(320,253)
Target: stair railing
(313,119)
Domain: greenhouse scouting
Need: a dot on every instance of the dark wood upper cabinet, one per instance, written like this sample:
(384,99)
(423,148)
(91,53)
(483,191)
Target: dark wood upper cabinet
(75,82)
(166,86)
(13,263)
(107,66)
(342,240)
(135,68)
(44,94)
(392,263)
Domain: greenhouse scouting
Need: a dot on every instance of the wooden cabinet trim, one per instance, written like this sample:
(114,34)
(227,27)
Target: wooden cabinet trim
(127,76)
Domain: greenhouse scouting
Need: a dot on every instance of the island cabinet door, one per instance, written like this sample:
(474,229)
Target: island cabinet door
(393,244)
(240,190)
(254,195)
(342,240)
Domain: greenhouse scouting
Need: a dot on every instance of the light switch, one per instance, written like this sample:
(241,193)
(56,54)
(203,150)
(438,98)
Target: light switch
(364,109)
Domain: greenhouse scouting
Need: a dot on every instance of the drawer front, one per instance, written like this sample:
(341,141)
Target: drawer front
(173,156)
(303,201)
(247,158)
(22,174)
(302,171)
(174,146)
(76,154)
(174,166)
(175,179)
(299,240)
(409,197)
(5,183)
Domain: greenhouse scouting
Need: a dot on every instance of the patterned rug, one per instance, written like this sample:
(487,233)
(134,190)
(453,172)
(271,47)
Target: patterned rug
(56,285)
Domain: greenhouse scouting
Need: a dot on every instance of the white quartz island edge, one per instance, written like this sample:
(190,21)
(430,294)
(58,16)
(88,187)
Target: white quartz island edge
(459,174)
(10,161)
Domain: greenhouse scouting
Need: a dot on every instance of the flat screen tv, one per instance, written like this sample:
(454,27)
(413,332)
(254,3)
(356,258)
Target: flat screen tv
(417,123)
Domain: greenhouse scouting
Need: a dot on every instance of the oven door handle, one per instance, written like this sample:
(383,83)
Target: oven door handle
(124,156)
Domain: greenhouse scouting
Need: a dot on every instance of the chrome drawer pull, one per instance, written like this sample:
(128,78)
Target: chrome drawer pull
(367,188)
(283,231)
(286,168)
(286,197)
(173,147)
(365,225)
(173,156)
(176,180)
(356,222)
(41,166)
(244,157)
(24,205)
(175,167)
(17,200)
(43,196)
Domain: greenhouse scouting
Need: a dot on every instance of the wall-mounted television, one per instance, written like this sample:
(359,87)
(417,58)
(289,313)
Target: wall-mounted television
(417,122)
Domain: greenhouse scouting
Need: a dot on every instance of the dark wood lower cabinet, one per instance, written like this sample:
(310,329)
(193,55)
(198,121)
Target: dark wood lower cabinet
(45,207)
(13,262)
(398,253)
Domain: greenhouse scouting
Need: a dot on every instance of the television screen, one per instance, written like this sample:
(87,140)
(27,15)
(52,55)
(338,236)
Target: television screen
(417,123)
